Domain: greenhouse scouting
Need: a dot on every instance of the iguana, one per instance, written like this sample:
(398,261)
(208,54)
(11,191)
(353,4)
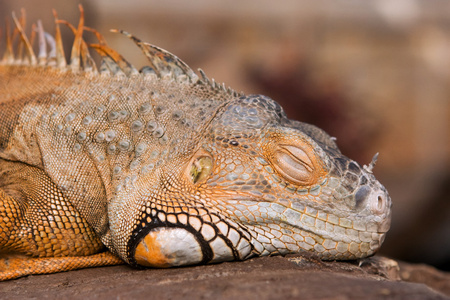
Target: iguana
(161,167)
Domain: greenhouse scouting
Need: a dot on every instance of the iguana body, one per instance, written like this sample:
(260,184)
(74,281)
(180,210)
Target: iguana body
(162,168)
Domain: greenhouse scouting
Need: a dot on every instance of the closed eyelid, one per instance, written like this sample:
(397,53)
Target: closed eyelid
(299,154)
(295,160)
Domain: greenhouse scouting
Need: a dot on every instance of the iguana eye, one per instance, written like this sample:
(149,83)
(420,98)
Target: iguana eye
(200,168)
(294,164)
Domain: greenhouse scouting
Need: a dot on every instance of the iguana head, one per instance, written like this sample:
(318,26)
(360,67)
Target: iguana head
(258,183)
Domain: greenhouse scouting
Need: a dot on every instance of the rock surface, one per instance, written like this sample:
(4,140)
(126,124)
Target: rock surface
(290,277)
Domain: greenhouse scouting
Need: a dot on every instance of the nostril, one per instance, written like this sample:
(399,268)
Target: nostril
(380,203)
(374,199)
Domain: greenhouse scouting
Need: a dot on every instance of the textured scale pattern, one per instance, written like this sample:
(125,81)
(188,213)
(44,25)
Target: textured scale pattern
(161,167)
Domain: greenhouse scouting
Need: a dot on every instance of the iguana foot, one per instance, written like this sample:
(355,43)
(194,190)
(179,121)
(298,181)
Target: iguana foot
(15,266)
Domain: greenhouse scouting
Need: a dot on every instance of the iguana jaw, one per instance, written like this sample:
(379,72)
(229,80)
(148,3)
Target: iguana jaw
(303,225)
(308,224)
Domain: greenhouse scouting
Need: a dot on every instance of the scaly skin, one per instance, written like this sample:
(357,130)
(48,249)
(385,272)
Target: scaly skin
(162,168)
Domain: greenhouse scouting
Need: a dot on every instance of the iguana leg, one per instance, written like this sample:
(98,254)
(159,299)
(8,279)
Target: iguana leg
(36,220)
(15,266)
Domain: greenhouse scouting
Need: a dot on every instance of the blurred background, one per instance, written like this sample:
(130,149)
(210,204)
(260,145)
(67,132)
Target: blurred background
(374,74)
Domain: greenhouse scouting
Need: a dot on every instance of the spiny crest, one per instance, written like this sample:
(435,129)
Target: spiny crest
(162,63)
